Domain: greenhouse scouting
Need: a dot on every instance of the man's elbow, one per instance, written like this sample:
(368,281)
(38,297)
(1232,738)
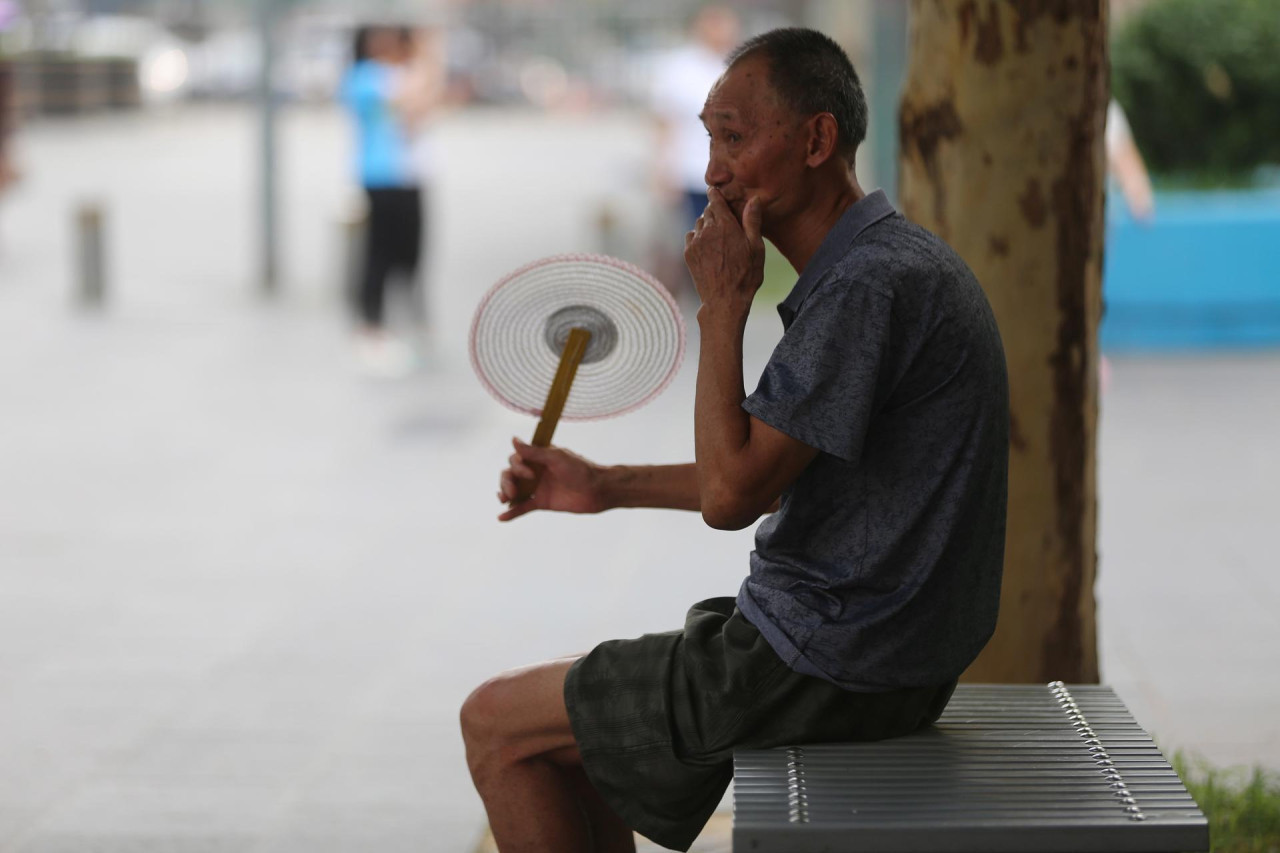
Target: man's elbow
(727,509)
(726,521)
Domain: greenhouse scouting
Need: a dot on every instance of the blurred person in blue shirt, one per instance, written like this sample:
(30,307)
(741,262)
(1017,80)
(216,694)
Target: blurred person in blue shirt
(390,89)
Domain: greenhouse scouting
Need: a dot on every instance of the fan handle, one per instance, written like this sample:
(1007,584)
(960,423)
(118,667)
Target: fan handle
(570,358)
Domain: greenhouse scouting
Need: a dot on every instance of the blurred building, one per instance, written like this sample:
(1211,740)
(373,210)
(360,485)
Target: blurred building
(546,53)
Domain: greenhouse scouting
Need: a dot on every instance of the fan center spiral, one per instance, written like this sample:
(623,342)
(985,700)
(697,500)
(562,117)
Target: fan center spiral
(604,334)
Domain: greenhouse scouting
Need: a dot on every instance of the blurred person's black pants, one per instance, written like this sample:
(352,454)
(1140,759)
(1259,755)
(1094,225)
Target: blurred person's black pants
(393,245)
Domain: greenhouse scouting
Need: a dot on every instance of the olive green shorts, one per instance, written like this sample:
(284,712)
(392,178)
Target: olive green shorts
(657,718)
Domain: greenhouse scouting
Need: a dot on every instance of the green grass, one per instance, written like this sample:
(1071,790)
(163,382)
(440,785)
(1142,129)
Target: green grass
(1243,807)
(778,278)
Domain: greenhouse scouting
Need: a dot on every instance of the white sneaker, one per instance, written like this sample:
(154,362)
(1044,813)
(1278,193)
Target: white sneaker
(381,356)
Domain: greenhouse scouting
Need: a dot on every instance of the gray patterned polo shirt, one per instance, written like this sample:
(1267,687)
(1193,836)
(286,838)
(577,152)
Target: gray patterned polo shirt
(881,567)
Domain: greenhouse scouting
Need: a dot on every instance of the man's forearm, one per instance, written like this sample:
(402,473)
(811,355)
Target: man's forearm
(721,427)
(654,486)
(736,473)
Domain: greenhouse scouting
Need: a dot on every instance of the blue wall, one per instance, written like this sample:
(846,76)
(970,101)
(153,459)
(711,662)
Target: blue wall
(1204,274)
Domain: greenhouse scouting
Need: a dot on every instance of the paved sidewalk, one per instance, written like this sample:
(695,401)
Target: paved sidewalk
(1189,579)
(243,591)
(716,837)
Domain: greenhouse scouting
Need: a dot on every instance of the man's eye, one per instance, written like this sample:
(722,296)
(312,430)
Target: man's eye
(733,137)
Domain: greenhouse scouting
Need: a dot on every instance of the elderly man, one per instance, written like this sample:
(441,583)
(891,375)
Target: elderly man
(877,441)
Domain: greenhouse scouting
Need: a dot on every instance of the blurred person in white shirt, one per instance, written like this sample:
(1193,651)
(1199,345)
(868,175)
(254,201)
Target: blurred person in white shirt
(1125,165)
(681,81)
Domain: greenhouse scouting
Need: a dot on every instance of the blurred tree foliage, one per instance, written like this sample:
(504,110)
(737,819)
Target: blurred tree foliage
(1200,83)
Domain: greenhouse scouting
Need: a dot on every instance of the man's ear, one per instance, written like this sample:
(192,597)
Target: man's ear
(824,140)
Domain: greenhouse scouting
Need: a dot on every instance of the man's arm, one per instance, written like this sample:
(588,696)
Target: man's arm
(570,483)
(654,486)
(566,482)
(743,464)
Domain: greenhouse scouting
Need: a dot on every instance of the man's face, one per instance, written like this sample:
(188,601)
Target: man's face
(757,144)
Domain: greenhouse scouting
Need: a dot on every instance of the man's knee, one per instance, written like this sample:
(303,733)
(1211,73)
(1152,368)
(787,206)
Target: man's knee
(480,714)
(515,715)
(488,718)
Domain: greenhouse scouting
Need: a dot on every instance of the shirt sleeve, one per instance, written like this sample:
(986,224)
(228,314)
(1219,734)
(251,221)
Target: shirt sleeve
(1117,128)
(821,385)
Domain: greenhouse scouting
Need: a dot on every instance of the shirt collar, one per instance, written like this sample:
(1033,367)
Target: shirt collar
(860,216)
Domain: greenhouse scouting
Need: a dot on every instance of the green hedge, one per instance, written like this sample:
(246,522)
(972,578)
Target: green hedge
(1200,83)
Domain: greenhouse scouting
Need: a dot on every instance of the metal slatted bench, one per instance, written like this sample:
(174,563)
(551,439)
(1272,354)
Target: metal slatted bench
(1056,769)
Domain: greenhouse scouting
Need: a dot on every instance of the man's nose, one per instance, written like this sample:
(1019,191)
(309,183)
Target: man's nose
(717,174)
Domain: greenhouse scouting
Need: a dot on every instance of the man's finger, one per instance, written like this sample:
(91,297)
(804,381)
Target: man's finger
(523,471)
(752,215)
(517,510)
(716,205)
(531,453)
(507,487)
(518,466)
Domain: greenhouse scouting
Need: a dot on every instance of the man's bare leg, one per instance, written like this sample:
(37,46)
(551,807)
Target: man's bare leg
(608,831)
(525,765)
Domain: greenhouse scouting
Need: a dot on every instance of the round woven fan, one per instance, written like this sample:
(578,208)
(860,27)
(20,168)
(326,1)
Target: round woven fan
(576,336)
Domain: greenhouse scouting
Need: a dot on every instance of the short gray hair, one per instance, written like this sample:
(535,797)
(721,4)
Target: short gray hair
(812,74)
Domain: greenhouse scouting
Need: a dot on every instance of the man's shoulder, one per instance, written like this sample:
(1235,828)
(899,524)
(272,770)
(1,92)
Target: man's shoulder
(877,256)
(896,249)
(895,233)
(891,259)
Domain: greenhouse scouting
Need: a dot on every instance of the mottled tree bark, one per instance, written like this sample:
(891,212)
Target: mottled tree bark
(1002,156)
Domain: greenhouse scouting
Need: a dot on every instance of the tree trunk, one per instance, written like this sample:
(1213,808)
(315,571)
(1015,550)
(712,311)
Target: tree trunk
(1002,156)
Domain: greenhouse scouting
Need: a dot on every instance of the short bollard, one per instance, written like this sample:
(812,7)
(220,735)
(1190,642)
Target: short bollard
(609,236)
(354,225)
(90,246)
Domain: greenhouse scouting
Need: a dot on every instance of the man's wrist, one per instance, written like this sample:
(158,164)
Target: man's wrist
(625,486)
(720,315)
(610,488)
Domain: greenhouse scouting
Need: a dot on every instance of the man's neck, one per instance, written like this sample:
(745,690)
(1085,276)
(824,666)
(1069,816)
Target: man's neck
(800,237)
